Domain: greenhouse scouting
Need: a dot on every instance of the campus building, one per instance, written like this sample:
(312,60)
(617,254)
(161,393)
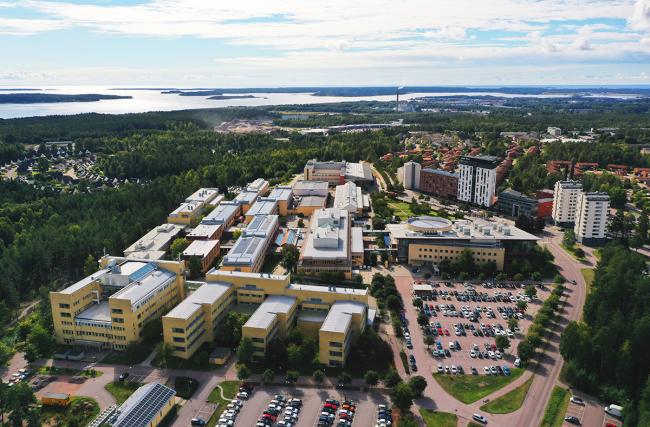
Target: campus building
(565,202)
(311,188)
(429,240)
(249,251)
(205,250)
(349,197)
(336,173)
(189,212)
(439,183)
(514,204)
(146,407)
(225,214)
(591,218)
(477,180)
(155,243)
(205,232)
(327,244)
(283,197)
(409,175)
(263,206)
(335,315)
(109,308)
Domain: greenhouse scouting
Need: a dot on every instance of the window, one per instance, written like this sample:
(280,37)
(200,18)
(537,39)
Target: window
(118,320)
(336,344)
(178,330)
(62,305)
(116,310)
(336,353)
(179,339)
(179,348)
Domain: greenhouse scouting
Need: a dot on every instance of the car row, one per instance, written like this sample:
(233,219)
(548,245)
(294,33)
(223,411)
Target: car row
(228,416)
(245,391)
(384,416)
(328,413)
(281,411)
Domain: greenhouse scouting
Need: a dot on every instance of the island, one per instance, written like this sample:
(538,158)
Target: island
(46,98)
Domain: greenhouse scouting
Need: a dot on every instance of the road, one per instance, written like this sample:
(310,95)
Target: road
(546,372)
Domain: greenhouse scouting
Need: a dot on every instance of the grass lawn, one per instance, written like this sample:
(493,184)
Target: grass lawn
(470,388)
(80,412)
(121,390)
(438,419)
(510,401)
(588,274)
(556,408)
(571,251)
(405,361)
(230,389)
(402,209)
(473,424)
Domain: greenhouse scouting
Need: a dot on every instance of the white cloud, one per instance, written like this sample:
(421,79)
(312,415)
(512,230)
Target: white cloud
(640,19)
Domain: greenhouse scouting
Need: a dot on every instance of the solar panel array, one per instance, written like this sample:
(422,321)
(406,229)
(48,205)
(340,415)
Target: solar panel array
(147,406)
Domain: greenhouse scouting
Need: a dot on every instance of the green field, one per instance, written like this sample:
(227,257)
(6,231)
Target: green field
(438,419)
(588,274)
(470,388)
(556,408)
(121,390)
(230,389)
(510,401)
(402,210)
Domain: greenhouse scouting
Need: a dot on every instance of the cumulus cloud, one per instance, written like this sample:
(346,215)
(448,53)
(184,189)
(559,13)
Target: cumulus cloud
(640,19)
(453,33)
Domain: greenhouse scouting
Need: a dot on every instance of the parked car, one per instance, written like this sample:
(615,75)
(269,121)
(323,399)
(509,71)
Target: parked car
(123,376)
(198,422)
(577,400)
(573,420)
(480,418)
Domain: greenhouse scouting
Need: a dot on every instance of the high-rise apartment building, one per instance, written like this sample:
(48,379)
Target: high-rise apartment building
(565,202)
(591,218)
(409,175)
(478,180)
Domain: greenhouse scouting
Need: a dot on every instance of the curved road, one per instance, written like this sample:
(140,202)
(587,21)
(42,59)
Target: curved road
(546,371)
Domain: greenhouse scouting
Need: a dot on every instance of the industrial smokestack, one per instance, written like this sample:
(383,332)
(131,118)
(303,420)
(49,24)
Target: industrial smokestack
(397,106)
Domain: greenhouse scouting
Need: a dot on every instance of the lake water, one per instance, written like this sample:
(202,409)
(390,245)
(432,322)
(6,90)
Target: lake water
(154,100)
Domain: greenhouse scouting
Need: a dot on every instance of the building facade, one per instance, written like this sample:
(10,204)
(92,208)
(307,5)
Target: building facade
(591,218)
(409,175)
(439,183)
(565,202)
(477,180)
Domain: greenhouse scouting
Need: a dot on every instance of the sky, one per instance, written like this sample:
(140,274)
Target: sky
(253,43)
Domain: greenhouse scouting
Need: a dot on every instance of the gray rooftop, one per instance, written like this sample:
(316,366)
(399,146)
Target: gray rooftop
(221,214)
(356,240)
(204,230)
(313,201)
(340,315)
(85,281)
(281,193)
(245,251)
(328,289)
(145,286)
(246,197)
(142,407)
(328,235)
(440,172)
(263,207)
(269,309)
(158,239)
(262,226)
(205,195)
(208,293)
(200,248)
(97,312)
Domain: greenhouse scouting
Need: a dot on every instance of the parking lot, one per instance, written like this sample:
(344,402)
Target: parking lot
(312,403)
(464,320)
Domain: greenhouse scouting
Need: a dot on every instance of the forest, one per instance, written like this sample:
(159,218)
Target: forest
(607,353)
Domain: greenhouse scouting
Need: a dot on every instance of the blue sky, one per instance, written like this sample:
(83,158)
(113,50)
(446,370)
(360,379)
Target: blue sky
(306,42)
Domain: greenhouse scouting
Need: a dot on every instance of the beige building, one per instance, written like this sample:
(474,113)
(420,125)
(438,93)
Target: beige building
(109,308)
(205,250)
(565,202)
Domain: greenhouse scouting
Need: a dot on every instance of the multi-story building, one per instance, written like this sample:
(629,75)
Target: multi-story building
(335,314)
(188,213)
(155,243)
(284,197)
(109,308)
(311,188)
(591,219)
(148,406)
(349,197)
(206,232)
(409,175)
(565,202)
(477,181)
(554,131)
(196,319)
(336,173)
(439,183)
(327,244)
(209,196)
(431,240)
(248,252)
(205,250)
(225,215)
(263,206)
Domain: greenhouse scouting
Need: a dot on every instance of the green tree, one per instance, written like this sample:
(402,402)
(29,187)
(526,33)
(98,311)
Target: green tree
(245,350)
(418,384)
(294,354)
(423,320)
(393,302)
(229,331)
(522,305)
(40,341)
(371,378)
(502,342)
(290,255)
(513,323)
(165,351)
(319,376)
(195,267)
(402,396)
(292,376)
(525,350)
(569,239)
(152,331)
(417,302)
(90,266)
(268,375)
(178,246)
(243,372)
(530,291)
(391,378)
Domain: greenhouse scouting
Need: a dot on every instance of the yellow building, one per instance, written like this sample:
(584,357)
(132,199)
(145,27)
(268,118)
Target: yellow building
(109,308)
(421,254)
(195,320)
(249,251)
(188,213)
(282,306)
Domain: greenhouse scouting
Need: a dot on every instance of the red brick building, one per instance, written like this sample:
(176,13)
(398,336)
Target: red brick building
(439,182)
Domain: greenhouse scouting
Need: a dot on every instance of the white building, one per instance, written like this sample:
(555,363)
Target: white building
(349,197)
(478,180)
(591,218)
(565,202)
(553,131)
(409,175)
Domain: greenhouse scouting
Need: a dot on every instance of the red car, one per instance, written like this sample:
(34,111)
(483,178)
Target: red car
(447,332)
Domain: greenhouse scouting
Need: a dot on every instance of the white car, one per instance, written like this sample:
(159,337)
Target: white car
(453,370)
(472,354)
(242,395)
(518,362)
(486,370)
(480,418)
(440,368)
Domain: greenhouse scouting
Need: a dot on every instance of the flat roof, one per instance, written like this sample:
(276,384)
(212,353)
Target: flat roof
(281,193)
(97,312)
(221,214)
(262,226)
(207,293)
(440,172)
(328,289)
(157,239)
(269,309)
(340,315)
(152,255)
(187,207)
(200,248)
(356,240)
(348,196)
(318,201)
(257,185)
(358,171)
(204,230)
(145,286)
(246,197)
(327,238)
(143,406)
(85,281)
(246,274)
(468,230)
(245,251)
(312,316)
(310,185)
(205,195)
(263,207)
